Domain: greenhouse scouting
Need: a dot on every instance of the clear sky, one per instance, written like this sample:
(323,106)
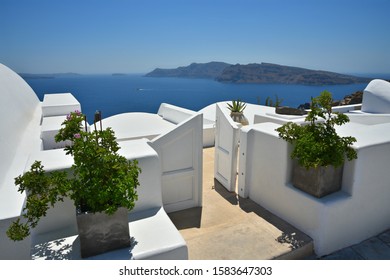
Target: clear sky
(136,36)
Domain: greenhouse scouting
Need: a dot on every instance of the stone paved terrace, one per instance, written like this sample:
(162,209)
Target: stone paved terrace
(375,248)
(228,227)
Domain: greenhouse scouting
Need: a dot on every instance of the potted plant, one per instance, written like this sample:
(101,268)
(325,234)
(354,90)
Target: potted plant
(102,185)
(237,111)
(319,151)
(270,103)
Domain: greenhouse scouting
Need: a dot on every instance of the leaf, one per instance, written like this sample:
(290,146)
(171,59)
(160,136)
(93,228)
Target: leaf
(317,143)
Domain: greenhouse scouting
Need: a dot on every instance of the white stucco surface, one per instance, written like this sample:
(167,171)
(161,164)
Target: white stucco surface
(359,211)
(153,234)
(49,129)
(20,128)
(250,111)
(137,125)
(59,104)
(21,145)
(174,114)
(376,97)
(172,173)
(177,115)
(181,156)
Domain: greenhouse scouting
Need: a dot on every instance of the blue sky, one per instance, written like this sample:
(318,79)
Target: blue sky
(136,36)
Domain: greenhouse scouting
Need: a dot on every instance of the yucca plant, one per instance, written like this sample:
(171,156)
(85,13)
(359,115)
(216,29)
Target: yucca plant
(237,106)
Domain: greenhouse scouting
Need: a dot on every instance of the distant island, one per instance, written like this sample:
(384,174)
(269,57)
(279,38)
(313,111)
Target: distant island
(264,73)
(209,70)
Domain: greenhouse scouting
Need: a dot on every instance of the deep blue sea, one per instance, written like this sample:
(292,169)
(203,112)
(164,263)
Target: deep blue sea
(136,93)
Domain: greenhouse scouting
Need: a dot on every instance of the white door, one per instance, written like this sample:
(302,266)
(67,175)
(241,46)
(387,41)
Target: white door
(181,154)
(226,147)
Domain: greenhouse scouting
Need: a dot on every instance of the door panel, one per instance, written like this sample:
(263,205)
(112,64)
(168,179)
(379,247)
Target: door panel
(226,147)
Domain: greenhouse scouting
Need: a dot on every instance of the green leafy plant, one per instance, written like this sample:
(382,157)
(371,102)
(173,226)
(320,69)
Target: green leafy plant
(269,102)
(317,143)
(101,180)
(237,106)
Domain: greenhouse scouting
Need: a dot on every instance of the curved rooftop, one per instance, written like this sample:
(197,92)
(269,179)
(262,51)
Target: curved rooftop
(376,97)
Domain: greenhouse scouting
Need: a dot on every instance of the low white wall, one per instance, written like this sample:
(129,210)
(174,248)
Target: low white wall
(359,211)
(9,249)
(154,234)
(176,115)
(368,119)
(254,114)
(173,113)
(208,135)
(346,108)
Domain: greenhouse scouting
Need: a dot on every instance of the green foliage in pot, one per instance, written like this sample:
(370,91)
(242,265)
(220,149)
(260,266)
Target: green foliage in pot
(237,106)
(317,143)
(100,180)
(270,103)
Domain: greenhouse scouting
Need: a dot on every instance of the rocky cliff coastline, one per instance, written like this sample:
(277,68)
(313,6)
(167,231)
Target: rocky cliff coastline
(264,73)
(209,70)
(350,99)
(267,73)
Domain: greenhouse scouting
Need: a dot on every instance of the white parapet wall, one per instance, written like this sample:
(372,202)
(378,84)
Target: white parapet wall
(20,129)
(176,115)
(21,144)
(368,119)
(360,210)
(56,234)
(20,123)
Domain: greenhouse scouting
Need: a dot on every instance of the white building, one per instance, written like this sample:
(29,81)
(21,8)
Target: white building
(169,146)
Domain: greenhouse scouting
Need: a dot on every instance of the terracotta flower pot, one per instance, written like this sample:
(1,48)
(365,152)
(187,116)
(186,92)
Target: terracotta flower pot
(239,118)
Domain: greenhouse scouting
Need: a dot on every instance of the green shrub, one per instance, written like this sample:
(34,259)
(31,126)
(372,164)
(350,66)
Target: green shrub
(101,180)
(317,143)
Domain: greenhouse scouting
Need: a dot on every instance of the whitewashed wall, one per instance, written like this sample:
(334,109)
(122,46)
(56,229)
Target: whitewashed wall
(176,115)
(20,129)
(359,211)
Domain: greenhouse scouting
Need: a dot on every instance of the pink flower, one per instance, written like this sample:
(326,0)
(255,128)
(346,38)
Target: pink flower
(77,112)
(77,135)
(68,117)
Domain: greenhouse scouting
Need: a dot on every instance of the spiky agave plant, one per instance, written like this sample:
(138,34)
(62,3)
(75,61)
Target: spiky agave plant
(237,106)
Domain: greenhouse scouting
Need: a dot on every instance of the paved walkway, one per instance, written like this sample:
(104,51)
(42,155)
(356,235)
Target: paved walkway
(375,248)
(230,227)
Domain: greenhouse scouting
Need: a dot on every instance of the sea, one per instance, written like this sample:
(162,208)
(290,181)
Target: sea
(115,94)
